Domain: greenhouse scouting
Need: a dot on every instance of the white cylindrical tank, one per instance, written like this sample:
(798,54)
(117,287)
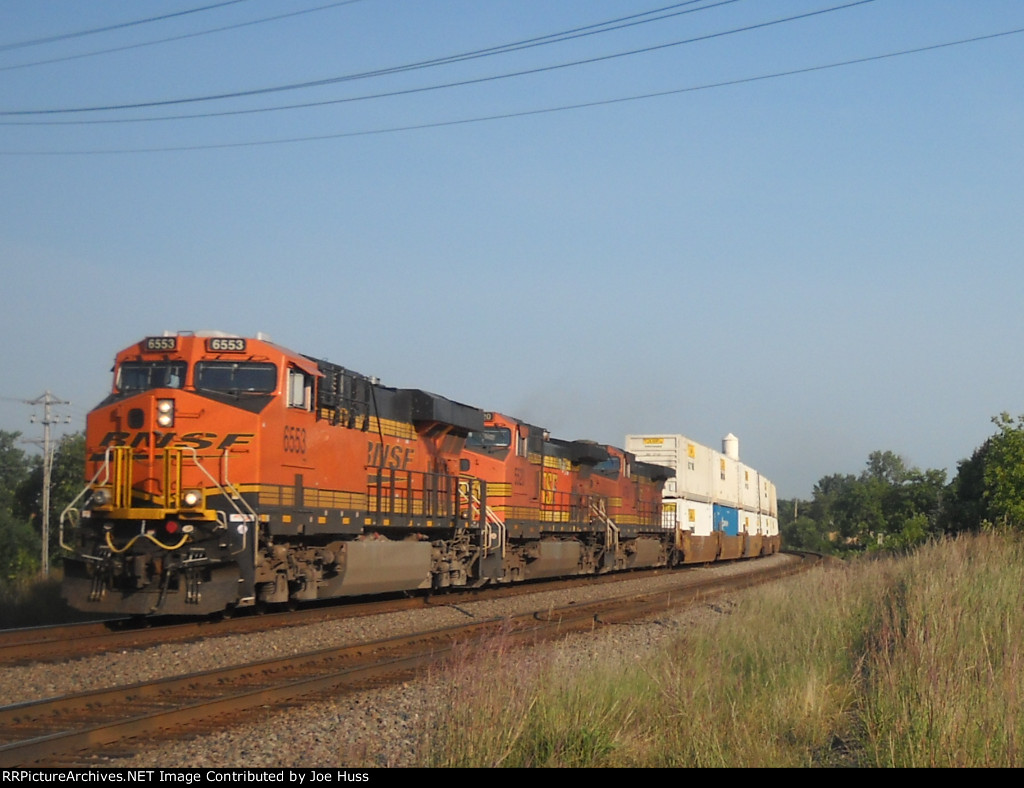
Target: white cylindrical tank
(731,446)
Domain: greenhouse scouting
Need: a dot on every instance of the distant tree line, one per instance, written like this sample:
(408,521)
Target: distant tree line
(21,501)
(892,507)
(888,506)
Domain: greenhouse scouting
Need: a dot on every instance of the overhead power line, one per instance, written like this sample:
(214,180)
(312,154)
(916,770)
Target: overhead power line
(607,26)
(527,113)
(118,26)
(335,80)
(181,37)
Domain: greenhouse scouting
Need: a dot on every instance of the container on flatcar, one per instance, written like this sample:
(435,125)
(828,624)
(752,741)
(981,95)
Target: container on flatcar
(720,508)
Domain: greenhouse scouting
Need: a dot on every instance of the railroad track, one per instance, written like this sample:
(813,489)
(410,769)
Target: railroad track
(71,730)
(40,644)
(70,641)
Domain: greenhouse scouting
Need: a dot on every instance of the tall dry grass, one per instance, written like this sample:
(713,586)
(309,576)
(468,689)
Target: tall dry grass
(943,679)
(896,662)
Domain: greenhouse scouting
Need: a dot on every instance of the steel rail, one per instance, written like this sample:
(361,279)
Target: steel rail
(83,722)
(49,643)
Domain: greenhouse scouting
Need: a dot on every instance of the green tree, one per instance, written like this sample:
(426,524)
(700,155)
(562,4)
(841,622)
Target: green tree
(66,481)
(964,505)
(13,467)
(67,477)
(886,467)
(826,509)
(860,512)
(1003,472)
(19,548)
(890,505)
(803,533)
(910,501)
(19,545)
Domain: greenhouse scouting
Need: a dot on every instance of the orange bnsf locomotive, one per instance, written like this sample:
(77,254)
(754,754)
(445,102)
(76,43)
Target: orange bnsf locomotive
(225,472)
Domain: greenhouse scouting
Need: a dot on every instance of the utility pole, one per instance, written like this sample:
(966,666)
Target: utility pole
(48,401)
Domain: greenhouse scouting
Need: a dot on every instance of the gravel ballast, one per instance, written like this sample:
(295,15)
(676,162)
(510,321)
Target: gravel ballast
(375,728)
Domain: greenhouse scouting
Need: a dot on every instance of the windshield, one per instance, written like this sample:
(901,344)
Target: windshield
(489,438)
(236,377)
(146,375)
(609,467)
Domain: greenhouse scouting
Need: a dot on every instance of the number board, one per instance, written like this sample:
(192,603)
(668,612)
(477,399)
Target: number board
(225,345)
(151,344)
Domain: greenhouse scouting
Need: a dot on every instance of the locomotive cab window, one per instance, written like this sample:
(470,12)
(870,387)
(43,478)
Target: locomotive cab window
(609,467)
(146,375)
(300,389)
(489,438)
(236,377)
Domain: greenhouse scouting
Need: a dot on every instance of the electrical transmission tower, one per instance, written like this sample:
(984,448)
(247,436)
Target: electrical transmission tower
(48,401)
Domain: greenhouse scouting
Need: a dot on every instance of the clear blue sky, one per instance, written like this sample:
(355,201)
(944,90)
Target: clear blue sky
(825,264)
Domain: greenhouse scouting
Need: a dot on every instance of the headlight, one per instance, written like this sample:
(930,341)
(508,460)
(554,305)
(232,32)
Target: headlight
(100,497)
(165,412)
(192,498)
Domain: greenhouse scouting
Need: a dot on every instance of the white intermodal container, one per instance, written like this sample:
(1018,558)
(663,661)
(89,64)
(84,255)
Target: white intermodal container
(750,488)
(718,507)
(704,475)
(690,460)
(726,480)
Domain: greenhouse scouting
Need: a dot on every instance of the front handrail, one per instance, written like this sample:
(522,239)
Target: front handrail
(104,466)
(231,494)
(122,474)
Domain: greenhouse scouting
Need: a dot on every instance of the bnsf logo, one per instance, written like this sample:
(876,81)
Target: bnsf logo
(198,440)
(396,457)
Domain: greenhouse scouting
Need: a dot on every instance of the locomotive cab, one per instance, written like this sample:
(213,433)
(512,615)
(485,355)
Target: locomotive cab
(227,471)
(163,523)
